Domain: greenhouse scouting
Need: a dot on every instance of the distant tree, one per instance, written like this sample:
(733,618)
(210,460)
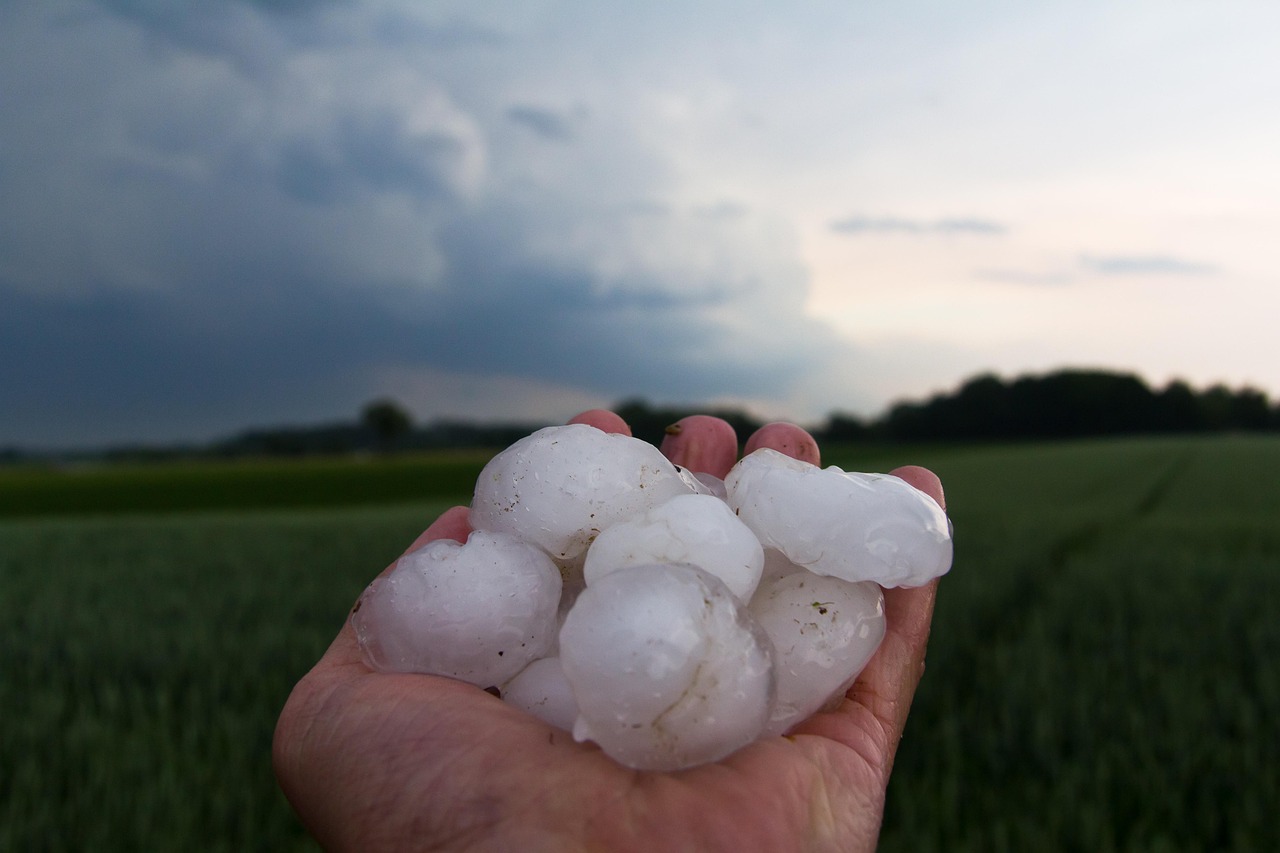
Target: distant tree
(1056,405)
(1078,403)
(980,409)
(1215,406)
(1248,410)
(387,421)
(908,421)
(292,441)
(844,427)
(1177,409)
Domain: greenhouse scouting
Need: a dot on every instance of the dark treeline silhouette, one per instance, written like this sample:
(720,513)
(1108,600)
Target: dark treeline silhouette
(365,438)
(1072,403)
(386,427)
(1061,404)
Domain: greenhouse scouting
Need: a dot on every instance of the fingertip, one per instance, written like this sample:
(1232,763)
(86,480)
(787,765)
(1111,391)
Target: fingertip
(792,440)
(924,480)
(702,443)
(454,523)
(909,610)
(602,419)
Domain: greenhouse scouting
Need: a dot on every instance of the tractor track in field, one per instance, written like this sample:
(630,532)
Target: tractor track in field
(1037,576)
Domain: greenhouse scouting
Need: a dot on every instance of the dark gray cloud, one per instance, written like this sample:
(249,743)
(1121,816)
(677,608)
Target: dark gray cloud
(1144,265)
(192,23)
(252,34)
(259,346)
(854,225)
(546,123)
(393,27)
(373,151)
(194,250)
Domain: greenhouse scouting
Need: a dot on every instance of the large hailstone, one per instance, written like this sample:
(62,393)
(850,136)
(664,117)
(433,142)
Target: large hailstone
(562,485)
(702,483)
(542,690)
(478,612)
(824,630)
(852,526)
(698,529)
(668,668)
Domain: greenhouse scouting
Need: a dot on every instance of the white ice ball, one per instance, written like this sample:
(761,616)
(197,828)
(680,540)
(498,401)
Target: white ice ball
(702,483)
(561,486)
(697,529)
(542,690)
(478,612)
(849,525)
(824,630)
(668,668)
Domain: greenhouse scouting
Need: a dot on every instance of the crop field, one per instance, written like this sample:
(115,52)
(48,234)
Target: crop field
(1102,673)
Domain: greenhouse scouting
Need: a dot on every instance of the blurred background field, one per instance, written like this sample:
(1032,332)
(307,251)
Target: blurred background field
(1101,674)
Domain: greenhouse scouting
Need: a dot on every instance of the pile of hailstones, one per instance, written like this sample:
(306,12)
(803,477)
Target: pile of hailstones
(669,617)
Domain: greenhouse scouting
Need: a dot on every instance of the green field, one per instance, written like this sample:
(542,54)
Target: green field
(1101,677)
(33,490)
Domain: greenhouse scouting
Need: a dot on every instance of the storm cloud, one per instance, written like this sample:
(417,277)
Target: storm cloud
(249,214)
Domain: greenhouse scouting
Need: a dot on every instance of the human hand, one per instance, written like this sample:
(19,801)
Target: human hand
(374,761)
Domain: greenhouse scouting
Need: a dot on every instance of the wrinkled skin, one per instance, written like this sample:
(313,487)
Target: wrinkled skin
(376,762)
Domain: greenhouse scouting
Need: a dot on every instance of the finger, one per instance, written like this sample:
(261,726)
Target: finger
(888,683)
(702,443)
(602,419)
(785,438)
(454,523)
(924,480)
(874,716)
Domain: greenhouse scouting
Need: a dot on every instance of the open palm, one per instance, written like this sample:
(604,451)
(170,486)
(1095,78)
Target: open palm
(372,761)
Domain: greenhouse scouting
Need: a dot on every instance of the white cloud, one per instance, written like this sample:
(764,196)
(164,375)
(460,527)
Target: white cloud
(1145,265)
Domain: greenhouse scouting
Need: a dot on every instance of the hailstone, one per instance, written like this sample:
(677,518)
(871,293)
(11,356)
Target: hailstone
(824,630)
(668,668)
(559,487)
(702,483)
(697,529)
(479,612)
(853,526)
(542,690)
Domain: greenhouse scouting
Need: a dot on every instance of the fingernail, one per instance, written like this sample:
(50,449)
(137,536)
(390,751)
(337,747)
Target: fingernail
(702,443)
(785,438)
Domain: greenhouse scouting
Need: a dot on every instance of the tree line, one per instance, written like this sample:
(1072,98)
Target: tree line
(1060,404)
(1066,404)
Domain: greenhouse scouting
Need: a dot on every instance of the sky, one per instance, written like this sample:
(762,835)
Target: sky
(241,213)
